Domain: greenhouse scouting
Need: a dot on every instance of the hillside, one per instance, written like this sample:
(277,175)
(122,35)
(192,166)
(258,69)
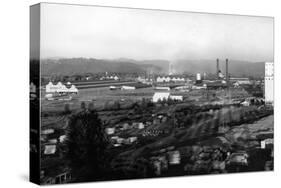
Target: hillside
(163,64)
(72,66)
(83,65)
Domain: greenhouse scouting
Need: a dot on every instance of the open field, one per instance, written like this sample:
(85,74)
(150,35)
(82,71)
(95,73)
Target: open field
(52,116)
(102,95)
(99,95)
(104,84)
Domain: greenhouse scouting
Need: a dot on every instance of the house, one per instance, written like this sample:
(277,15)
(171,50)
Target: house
(125,126)
(114,137)
(52,141)
(47,131)
(169,79)
(204,86)
(160,96)
(116,78)
(52,88)
(183,88)
(174,157)
(176,97)
(110,78)
(160,164)
(132,139)
(163,79)
(62,138)
(113,87)
(162,88)
(50,149)
(110,131)
(120,140)
(267,143)
(72,89)
(60,88)
(178,79)
(240,158)
(157,167)
(128,88)
(116,145)
(236,85)
(140,126)
(141,79)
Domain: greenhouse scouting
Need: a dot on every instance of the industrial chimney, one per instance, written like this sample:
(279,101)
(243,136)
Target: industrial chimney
(226,73)
(227,80)
(218,68)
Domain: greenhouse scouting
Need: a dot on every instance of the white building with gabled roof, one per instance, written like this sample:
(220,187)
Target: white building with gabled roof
(160,96)
(161,79)
(73,89)
(128,88)
(60,88)
(176,97)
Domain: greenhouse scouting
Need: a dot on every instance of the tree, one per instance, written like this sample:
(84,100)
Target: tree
(85,147)
(117,105)
(143,103)
(83,105)
(91,106)
(106,105)
(67,109)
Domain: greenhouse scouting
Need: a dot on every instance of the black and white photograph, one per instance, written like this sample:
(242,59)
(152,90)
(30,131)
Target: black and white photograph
(129,93)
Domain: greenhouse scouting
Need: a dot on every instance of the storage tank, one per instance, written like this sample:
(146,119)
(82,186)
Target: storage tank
(198,78)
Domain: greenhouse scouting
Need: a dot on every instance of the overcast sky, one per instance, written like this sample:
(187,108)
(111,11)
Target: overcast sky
(99,32)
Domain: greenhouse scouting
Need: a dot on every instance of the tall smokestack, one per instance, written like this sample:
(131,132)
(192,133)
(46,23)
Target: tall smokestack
(226,72)
(218,68)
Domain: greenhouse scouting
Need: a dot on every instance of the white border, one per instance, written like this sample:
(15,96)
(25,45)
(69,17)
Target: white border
(14,40)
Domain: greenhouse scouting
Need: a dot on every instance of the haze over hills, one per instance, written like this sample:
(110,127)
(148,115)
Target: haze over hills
(236,68)
(163,64)
(70,66)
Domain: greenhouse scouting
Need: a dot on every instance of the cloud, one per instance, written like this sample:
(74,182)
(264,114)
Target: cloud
(99,32)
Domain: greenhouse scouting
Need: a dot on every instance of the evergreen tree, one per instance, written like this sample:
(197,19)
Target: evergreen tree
(83,106)
(86,146)
(67,109)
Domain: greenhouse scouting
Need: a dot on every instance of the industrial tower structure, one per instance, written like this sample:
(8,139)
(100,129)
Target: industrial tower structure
(269,83)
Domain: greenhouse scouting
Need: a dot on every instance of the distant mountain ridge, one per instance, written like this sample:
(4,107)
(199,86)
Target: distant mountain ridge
(70,66)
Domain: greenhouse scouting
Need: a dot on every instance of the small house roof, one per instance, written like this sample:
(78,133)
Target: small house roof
(50,149)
